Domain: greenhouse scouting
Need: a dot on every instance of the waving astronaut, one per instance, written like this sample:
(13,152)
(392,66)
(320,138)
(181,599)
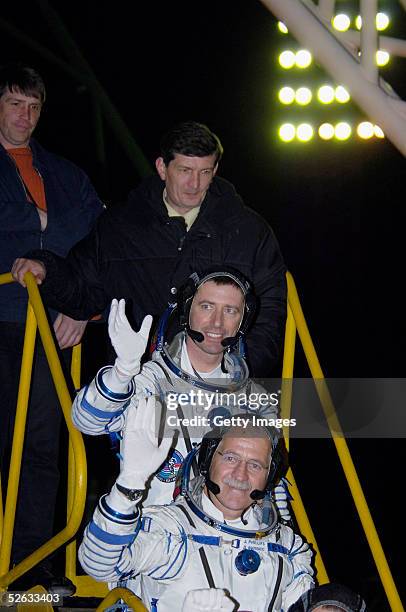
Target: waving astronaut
(199,379)
(219,545)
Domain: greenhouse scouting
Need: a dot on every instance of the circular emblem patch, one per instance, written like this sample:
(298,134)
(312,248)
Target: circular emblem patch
(171,467)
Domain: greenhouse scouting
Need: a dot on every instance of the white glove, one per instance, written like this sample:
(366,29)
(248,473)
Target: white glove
(128,344)
(141,455)
(215,600)
(281,497)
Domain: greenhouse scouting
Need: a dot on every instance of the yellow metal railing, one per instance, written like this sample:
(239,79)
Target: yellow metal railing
(127,596)
(86,586)
(296,321)
(36,316)
(286,401)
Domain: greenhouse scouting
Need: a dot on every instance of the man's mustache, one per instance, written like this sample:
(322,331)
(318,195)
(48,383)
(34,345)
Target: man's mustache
(243,485)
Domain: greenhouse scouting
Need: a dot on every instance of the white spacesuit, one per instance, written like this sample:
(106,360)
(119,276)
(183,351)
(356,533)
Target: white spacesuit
(170,377)
(261,564)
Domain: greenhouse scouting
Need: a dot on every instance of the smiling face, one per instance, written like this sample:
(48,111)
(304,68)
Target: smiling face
(239,466)
(216,312)
(187,180)
(19,115)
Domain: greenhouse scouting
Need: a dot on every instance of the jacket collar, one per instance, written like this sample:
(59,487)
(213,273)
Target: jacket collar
(38,152)
(151,190)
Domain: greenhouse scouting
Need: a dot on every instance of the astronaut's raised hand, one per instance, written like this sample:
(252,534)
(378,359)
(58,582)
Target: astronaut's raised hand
(128,344)
(141,455)
(215,600)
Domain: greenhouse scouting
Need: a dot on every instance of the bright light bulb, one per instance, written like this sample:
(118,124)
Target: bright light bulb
(358,22)
(304,132)
(303,58)
(286,95)
(382,57)
(326,131)
(287,132)
(303,96)
(282,28)
(341,94)
(341,22)
(365,130)
(342,130)
(325,94)
(378,132)
(287,59)
(382,21)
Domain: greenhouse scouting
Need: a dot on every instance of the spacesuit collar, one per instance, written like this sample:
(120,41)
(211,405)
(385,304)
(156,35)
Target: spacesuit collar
(250,515)
(234,365)
(264,515)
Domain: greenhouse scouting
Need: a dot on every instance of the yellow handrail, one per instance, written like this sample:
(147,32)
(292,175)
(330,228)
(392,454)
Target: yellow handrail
(342,449)
(86,586)
(126,595)
(286,401)
(36,307)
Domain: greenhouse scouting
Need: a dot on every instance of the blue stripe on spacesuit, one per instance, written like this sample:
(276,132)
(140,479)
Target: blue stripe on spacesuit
(299,574)
(302,546)
(113,515)
(210,540)
(110,538)
(182,548)
(108,393)
(278,548)
(154,604)
(101,414)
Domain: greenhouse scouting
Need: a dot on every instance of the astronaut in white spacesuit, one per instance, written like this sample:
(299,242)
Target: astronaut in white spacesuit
(221,532)
(199,379)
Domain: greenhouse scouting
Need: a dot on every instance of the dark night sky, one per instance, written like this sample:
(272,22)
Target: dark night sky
(337,210)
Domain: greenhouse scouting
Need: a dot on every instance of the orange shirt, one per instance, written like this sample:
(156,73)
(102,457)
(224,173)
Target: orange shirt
(23,159)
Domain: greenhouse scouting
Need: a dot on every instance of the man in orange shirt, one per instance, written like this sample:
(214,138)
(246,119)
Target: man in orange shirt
(46,202)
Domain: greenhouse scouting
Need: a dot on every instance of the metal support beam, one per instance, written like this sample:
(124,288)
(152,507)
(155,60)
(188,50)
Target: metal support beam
(383,109)
(369,39)
(326,8)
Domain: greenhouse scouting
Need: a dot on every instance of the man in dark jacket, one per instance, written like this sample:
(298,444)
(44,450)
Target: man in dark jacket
(46,202)
(183,220)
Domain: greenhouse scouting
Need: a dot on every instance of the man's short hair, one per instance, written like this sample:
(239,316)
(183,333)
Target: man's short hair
(17,77)
(224,280)
(192,139)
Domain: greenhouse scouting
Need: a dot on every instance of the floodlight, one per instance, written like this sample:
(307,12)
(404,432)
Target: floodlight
(341,94)
(303,58)
(303,96)
(378,132)
(382,21)
(282,28)
(286,95)
(287,59)
(382,57)
(341,22)
(365,130)
(287,132)
(342,130)
(326,131)
(304,132)
(325,94)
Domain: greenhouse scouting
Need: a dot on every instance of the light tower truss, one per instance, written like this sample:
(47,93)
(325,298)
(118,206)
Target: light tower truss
(349,57)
